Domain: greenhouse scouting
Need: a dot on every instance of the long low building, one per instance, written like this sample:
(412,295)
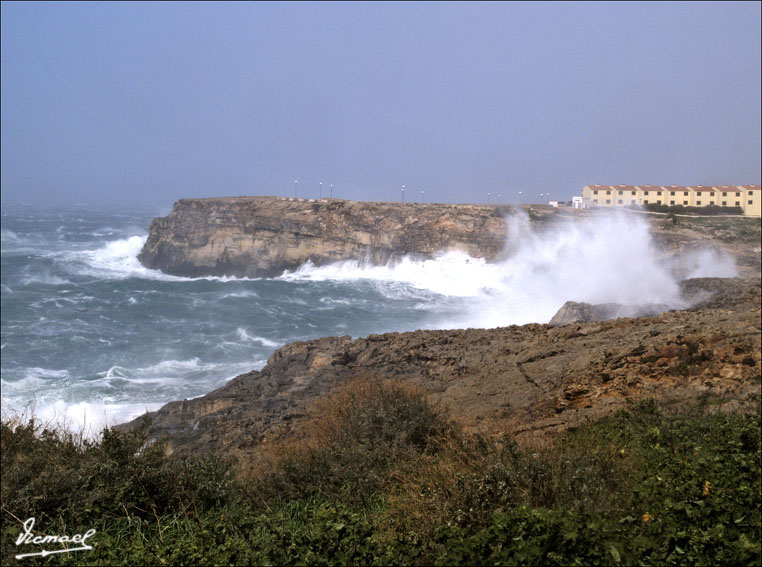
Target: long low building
(747,197)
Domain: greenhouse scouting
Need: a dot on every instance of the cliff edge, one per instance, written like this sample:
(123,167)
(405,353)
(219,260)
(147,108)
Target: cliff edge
(263,236)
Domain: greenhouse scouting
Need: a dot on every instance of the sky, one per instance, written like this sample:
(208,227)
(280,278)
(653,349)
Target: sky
(141,104)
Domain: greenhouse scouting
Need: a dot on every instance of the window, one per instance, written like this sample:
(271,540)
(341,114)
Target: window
(620,201)
(671,193)
(698,193)
(724,203)
(608,192)
(685,193)
(621,193)
(698,203)
(711,193)
(738,203)
(671,202)
(645,201)
(595,192)
(685,203)
(658,193)
(634,192)
(738,194)
(751,202)
(608,201)
(724,194)
(632,202)
(645,192)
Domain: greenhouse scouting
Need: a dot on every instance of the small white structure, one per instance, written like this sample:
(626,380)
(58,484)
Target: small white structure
(578,203)
(553,203)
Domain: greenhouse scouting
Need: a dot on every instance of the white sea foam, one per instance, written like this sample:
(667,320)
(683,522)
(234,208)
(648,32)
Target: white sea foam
(609,258)
(38,394)
(448,274)
(8,236)
(117,259)
(246,337)
(241,294)
(43,276)
(87,418)
(37,372)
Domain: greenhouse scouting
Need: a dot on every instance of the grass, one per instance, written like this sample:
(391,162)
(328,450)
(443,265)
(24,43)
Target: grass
(379,476)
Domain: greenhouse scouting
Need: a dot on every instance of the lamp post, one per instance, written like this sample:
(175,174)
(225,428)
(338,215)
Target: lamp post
(488,198)
(421,196)
(331,190)
(296,182)
(321,189)
(520,192)
(403,193)
(499,198)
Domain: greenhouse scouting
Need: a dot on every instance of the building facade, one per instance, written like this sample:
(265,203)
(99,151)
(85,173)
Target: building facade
(747,197)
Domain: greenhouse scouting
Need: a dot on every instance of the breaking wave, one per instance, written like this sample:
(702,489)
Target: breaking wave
(610,258)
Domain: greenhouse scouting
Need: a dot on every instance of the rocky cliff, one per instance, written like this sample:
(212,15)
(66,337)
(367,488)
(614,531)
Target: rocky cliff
(263,236)
(525,380)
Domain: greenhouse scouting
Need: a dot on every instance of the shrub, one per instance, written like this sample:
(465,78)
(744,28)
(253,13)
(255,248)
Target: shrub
(680,209)
(357,437)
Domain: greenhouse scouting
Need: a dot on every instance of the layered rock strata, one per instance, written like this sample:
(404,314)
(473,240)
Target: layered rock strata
(263,236)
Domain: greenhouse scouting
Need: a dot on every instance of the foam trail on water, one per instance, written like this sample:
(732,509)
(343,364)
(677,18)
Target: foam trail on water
(453,274)
(246,337)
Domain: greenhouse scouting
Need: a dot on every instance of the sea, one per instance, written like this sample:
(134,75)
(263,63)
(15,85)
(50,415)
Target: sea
(91,338)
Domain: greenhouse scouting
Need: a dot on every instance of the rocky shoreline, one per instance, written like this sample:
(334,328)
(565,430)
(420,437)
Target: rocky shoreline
(530,381)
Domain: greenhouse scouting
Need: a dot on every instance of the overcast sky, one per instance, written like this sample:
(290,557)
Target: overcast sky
(142,104)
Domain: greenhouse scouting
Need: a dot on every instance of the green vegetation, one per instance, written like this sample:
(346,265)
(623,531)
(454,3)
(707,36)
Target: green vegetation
(379,476)
(680,209)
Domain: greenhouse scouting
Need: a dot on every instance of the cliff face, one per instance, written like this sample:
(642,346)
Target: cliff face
(263,236)
(528,381)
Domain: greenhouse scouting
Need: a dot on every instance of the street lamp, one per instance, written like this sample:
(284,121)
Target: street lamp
(488,198)
(321,189)
(331,190)
(295,184)
(421,196)
(520,192)
(403,193)
(499,198)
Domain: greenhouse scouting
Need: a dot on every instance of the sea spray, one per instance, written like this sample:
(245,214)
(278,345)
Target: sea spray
(607,258)
(90,336)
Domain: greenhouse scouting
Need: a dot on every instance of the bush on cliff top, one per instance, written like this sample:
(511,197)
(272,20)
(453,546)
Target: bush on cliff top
(381,477)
